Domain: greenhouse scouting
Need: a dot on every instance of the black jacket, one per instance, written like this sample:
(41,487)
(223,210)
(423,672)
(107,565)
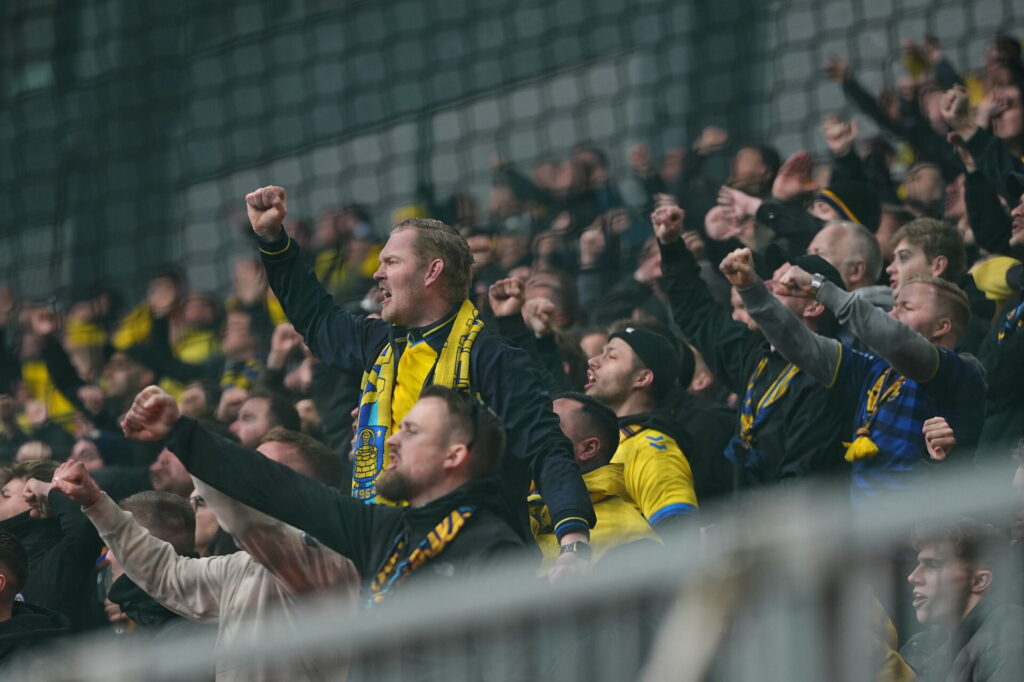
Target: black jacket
(988,646)
(30,627)
(365,533)
(62,553)
(502,375)
(802,434)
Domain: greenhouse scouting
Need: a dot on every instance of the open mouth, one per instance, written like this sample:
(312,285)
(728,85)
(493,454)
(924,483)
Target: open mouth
(919,600)
(591,380)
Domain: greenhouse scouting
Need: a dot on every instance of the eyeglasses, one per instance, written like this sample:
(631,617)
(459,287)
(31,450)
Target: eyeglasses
(197,501)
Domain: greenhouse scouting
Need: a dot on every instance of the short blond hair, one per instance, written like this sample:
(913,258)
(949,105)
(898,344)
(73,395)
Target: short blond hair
(951,301)
(437,240)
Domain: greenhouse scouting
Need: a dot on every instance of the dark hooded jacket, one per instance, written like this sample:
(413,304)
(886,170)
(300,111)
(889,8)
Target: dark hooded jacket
(62,552)
(28,630)
(368,534)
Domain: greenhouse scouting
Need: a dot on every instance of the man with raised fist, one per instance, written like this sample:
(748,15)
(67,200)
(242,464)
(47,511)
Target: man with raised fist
(430,334)
(912,375)
(788,423)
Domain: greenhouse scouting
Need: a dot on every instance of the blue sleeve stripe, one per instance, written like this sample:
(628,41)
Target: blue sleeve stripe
(670,510)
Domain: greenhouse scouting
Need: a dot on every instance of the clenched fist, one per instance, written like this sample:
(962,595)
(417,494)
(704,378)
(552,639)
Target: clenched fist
(738,268)
(152,415)
(955,109)
(506,297)
(73,479)
(267,208)
(668,223)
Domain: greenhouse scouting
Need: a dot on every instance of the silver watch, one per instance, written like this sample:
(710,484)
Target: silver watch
(817,279)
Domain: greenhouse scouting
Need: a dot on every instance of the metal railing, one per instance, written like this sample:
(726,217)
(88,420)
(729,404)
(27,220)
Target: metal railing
(782,586)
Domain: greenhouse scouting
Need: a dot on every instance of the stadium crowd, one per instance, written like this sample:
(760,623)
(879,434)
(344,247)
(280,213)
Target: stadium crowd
(576,372)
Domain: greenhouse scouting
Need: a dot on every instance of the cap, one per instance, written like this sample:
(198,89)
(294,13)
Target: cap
(854,201)
(656,352)
(816,265)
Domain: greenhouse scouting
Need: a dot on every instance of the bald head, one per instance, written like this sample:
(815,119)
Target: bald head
(852,250)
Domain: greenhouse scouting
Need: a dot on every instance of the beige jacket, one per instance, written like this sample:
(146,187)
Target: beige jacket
(235,591)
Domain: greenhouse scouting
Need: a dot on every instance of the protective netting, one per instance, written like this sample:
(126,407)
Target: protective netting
(131,130)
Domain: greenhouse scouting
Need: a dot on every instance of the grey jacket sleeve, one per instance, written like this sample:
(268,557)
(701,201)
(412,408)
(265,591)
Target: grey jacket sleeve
(908,352)
(814,354)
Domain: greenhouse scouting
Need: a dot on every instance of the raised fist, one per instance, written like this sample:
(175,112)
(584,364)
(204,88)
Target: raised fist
(668,223)
(592,243)
(539,313)
(506,297)
(152,415)
(794,281)
(283,343)
(711,138)
(956,113)
(73,479)
(738,268)
(839,135)
(36,494)
(267,208)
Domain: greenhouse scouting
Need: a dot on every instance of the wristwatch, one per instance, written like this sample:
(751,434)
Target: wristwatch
(817,279)
(579,547)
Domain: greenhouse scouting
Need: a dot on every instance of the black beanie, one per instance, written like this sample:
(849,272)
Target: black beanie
(816,265)
(854,201)
(656,353)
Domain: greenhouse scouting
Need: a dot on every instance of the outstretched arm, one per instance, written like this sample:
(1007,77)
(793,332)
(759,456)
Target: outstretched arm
(707,324)
(335,336)
(338,521)
(815,354)
(907,351)
(299,563)
(189,587)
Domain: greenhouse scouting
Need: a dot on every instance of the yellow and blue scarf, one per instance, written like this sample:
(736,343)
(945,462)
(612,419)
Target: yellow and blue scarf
(753,415)
(385,400)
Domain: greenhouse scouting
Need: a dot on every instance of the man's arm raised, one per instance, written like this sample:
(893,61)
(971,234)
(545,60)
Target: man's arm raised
(335,519)
(815,354)
(907,351)
(189,587)
(334,336)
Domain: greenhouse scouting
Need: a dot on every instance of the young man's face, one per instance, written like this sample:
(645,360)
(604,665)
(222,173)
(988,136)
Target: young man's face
(253,421)
(1009,123)
(909,260)
(417,451)
(206,521)
(610,374)
(739,311)
(12,501)
(400,277)
(942,584)
(915,306)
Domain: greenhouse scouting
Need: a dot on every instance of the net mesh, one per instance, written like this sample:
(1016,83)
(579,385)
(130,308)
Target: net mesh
(132,130)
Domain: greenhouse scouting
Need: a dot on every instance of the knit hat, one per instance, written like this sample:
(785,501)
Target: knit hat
(854,201)
(656,353)
(816,265)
